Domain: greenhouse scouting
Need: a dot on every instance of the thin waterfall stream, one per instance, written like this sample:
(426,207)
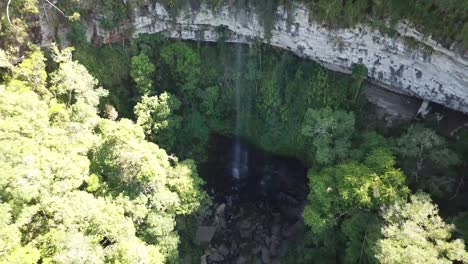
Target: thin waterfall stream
(258,196)
(240,164)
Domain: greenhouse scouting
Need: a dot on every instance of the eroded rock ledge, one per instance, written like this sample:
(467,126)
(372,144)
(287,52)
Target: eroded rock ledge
(429,71)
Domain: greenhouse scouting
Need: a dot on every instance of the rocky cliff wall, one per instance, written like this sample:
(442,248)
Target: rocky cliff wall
(427,71)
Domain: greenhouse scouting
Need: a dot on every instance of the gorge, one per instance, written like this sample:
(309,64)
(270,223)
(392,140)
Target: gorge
(240,131)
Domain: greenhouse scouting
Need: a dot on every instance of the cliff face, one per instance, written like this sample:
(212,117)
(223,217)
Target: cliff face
(428,71)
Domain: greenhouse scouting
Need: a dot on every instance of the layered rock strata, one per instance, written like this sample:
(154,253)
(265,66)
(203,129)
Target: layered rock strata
(425,70)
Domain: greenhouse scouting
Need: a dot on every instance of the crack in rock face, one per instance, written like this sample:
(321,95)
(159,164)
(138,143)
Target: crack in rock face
(428,71)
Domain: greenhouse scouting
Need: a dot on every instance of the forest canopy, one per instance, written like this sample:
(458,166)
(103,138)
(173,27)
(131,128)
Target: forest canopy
(77,188)
(100,145)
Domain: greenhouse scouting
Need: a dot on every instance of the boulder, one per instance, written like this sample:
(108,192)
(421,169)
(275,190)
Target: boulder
(221,209)
(265,255)
(203,259)
(242,260)
(220,215)
(204,234)
(274,245)
(223,250)
(216,257)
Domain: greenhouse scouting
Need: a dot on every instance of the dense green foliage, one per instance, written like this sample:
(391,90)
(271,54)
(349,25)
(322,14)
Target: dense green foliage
(414,233)
(337,191)
(449,26)
(156,115)
(271,109)
(330,133)
(362,231)
(422,150)
(299,109)
(294,108)
(14,35)
(141,71)
(76,188)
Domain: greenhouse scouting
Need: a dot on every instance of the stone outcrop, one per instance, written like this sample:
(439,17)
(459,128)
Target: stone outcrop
(426,70)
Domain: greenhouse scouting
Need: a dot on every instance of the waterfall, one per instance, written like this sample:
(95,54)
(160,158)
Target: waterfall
(240,155)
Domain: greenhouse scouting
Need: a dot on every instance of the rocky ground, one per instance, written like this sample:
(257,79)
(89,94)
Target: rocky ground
(255,233)
(257,215)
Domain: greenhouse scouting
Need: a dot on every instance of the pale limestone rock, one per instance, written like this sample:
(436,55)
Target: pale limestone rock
(440,76)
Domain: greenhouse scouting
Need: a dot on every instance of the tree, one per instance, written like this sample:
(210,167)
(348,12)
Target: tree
(196,135)
(37,156)
(330,132)
(75,188)
(152,187)
(10,245)
(461,224)
(39,163)
(362,231)
(413,232)
(183,63)
(425,156)
(359,75)
(142,71)
(71,247)
(420,144)
(210,102)
(71,82)
(31,71)
(336,191)
(114,13)
(157,116)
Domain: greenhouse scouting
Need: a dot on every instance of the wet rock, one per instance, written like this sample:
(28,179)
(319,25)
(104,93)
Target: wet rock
(243,246)
(204,234)
(283,249)
(258,237)
(223,250)
(245,229)
(216,257)
(256,250)
(242,260)
(275,229)
(220,209)
(234,248)
(245,233)
(289,206)
(265,255)
(274,245)
(220,215)
(294,229)
(203,259)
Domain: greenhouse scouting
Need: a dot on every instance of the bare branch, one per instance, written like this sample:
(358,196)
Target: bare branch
(460,183)
(362,245)
(8,14)
(58,9)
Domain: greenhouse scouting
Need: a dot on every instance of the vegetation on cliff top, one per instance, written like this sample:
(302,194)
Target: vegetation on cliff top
(446,21)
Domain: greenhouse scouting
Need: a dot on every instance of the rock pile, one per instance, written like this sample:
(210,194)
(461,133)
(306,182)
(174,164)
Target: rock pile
(255,234)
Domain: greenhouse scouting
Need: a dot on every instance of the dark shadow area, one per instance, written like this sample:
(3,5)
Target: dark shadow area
(260,212)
